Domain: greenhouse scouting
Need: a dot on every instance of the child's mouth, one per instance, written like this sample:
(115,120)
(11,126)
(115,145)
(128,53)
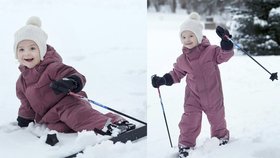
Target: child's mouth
(29,60)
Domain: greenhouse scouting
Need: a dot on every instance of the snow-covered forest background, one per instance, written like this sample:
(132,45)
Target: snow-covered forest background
(253,23)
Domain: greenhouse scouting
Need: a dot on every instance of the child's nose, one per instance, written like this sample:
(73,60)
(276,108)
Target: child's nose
(26,53)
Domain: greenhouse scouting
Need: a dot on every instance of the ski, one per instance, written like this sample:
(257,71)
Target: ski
(132,135)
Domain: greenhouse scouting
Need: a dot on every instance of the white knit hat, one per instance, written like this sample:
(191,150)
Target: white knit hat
(194,25)
(32,31)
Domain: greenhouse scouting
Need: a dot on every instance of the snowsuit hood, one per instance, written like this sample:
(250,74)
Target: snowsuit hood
(50,57)
(200,47)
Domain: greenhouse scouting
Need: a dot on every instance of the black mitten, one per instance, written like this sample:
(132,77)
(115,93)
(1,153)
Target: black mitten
(22,122)
(66,85)
(165,80)
(224,34)
(226,45)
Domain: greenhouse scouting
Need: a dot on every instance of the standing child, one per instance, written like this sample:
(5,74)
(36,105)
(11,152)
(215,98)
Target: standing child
(199,62)
(44,84)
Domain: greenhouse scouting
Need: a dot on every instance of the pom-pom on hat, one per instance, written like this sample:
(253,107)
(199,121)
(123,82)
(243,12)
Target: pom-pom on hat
(194,25)
(32,31)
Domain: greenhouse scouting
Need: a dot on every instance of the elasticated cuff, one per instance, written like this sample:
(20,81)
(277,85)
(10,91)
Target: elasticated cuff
(79,83)
(168,79)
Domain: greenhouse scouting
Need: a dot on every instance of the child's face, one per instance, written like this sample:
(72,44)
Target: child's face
(28,53)
(189,39)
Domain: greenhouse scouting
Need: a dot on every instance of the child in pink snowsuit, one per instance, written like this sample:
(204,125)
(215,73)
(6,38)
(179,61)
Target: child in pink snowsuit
(44,84)
(199,63)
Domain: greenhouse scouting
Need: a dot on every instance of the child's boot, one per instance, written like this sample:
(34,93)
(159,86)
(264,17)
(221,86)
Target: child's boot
(184,152)
(116,128)
(223,141)
(125,126)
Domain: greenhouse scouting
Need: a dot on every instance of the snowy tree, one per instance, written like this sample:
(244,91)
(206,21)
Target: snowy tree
(258,27)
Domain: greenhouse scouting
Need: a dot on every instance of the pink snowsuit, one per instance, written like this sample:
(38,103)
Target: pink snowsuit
(63,113)
(203,90)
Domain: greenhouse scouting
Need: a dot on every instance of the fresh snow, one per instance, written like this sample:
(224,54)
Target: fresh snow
(105,41)
(251,99)
(274,11)
(260,22)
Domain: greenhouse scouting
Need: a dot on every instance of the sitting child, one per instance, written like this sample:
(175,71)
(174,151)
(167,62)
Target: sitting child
(44,85)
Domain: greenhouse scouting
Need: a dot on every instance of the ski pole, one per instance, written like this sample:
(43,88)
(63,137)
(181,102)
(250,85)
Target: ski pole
(273,75)
(162,107)
(106,107)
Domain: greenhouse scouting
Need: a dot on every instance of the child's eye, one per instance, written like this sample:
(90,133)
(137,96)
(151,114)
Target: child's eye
(33,48)
(21,50)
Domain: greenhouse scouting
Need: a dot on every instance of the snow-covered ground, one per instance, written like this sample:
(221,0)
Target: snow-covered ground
(105,41)
(252,100)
